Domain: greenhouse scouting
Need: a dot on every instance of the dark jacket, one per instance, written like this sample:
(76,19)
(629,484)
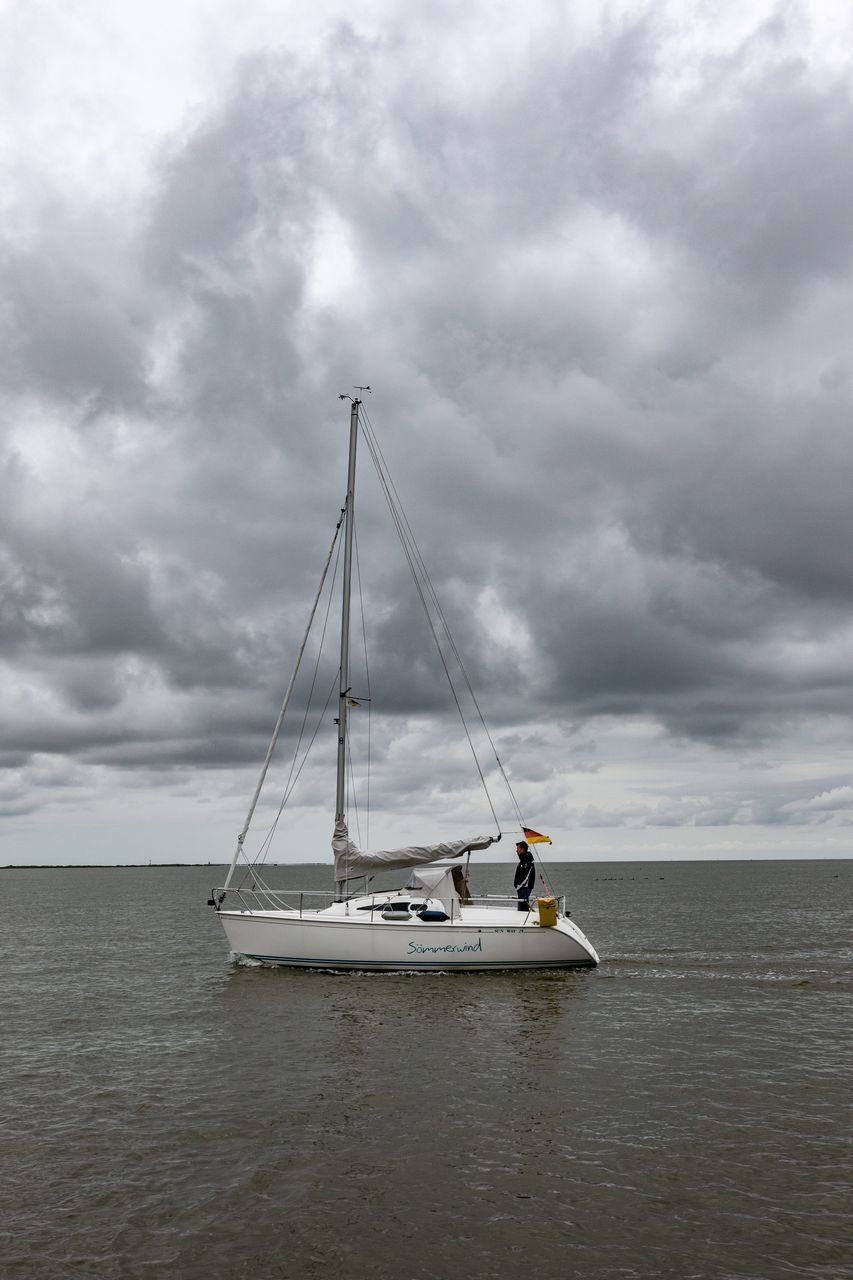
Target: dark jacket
(525,872)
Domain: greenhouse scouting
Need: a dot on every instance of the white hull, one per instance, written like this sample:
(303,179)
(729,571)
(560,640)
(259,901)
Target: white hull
(483,938)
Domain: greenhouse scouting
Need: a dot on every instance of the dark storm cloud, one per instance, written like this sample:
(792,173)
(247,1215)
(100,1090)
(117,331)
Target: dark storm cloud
(75,315)
(229,242)
(601,314)
(74,596)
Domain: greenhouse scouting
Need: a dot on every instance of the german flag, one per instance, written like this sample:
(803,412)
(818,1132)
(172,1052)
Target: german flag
(535,837)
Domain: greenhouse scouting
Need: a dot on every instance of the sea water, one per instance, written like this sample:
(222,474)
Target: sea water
(682,1111)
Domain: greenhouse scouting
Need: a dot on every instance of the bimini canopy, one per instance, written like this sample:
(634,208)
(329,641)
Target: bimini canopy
(447,884)
(352,861)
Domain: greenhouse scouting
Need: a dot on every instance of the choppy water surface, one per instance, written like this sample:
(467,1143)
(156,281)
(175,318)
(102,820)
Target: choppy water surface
(683,1111)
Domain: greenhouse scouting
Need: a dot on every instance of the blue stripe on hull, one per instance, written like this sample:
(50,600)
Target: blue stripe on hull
(402,965)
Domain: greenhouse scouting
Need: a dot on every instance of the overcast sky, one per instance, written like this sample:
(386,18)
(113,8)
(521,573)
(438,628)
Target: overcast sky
(595,261)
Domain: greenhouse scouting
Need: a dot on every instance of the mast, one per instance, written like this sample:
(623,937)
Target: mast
(340,797)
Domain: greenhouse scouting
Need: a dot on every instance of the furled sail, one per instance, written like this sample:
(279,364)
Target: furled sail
(350,860)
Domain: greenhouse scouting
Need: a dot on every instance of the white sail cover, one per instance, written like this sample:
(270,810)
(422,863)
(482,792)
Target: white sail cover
(436,882)
(349,860)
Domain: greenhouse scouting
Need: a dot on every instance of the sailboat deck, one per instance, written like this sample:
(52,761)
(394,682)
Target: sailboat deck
(357,934)
(391,909)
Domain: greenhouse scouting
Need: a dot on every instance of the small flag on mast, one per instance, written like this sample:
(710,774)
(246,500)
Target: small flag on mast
(535,837)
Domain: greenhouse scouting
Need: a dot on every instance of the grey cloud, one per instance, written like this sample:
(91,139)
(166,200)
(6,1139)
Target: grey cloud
(75,313)
(69,594)
(555,288)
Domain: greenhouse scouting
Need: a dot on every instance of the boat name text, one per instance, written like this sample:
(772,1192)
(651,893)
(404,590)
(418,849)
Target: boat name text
(421,948)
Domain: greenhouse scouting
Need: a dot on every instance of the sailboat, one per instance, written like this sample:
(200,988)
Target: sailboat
(432,921)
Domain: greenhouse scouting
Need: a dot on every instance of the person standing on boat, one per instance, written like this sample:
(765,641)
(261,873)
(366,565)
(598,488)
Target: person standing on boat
(525,875)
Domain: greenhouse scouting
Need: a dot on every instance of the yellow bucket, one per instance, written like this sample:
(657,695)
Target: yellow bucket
(547,912)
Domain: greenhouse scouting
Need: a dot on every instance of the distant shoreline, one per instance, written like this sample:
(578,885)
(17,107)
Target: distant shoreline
(637,860)
(123,867)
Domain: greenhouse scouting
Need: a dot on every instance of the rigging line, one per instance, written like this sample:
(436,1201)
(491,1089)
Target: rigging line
(289,792)
(369,745)
(407,551)
(387,481)
(351,804)
(395,516)
(417,563)
(367,678)
(320,718)
(544,870)
(271,833)
(435,599)
(276,731)
(449,633)
(416,552)
(291,781)
(352,797)
(260,856)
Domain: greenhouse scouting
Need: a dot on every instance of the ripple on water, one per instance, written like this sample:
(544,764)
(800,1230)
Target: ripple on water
(675,1113)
